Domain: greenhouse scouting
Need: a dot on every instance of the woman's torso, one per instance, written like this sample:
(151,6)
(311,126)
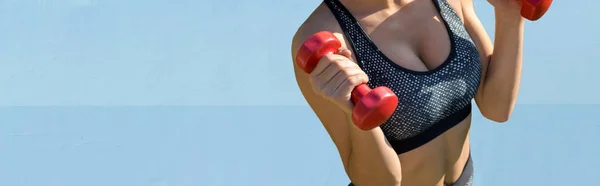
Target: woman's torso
(414,37)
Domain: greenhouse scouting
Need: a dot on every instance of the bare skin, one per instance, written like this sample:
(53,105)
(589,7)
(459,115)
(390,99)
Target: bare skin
(411,33)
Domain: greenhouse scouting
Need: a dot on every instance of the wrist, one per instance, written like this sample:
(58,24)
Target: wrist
(508,16)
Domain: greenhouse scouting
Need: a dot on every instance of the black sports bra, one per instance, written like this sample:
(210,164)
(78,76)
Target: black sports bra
(430,102)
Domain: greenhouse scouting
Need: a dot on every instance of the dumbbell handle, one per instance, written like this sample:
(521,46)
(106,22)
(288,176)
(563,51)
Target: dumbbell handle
(359,92)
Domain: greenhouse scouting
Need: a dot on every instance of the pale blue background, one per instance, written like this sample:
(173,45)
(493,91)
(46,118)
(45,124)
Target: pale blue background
(192,92)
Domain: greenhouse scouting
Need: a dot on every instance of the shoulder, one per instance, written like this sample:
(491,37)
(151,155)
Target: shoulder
(461,7)
(321,19)
(467,5)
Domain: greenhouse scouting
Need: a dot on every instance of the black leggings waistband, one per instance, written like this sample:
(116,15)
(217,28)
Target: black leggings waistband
(466,177)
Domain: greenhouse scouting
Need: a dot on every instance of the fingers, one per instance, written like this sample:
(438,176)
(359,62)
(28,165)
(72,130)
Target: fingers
(340,55)
(334,64)
(337,77)
(324,63)
(338,69)
(345,88)
(345,52)
(347,78)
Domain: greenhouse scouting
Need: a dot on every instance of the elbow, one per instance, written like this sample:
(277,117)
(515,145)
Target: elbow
(498,111)
(497,115)
(498,119)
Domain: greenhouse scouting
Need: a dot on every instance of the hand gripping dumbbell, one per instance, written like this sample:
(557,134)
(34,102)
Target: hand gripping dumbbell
(534,9)
(371,107)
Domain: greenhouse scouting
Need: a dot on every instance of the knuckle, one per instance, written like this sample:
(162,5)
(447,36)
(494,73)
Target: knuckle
(329,57)
(342,60)
(349,71)
(355,80)
(352,65)
(339,63)
(363,77)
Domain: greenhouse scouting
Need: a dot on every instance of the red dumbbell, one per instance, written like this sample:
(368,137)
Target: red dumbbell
(371,107)
(534,9)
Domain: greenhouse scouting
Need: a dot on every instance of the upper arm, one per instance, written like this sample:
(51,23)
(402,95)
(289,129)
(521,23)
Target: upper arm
(481,39)
(331,116)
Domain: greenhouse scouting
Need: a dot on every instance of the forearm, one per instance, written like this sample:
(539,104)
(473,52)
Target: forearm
(504,71)
(372,160)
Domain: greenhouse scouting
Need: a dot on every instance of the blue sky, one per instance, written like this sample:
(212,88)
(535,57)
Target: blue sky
(195,92)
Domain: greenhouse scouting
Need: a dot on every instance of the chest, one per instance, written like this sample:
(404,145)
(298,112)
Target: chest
(415,36)
(422,51)
(434,92)
(435,73)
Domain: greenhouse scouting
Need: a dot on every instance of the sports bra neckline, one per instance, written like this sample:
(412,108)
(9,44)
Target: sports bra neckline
(449,31)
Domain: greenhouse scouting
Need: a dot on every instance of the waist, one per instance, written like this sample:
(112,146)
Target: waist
(440,161)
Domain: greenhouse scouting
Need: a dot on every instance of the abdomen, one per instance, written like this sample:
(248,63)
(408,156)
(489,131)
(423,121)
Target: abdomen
(439,161)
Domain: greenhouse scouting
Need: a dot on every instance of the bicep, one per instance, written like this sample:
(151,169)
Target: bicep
(481,39)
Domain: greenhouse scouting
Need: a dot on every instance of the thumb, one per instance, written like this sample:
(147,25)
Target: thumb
(345,52)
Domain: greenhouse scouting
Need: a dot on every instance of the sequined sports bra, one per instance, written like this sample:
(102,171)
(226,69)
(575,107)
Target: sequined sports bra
(430,102)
